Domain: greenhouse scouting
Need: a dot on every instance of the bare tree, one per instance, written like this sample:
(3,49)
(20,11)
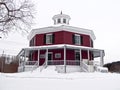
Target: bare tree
(15,15)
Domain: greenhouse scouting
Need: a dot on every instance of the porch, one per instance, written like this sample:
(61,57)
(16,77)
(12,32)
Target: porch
(85,64)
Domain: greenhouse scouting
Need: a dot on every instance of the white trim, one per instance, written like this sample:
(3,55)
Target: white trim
(80,56)
(61,28)
(101,58)
(64,58)
(46,57)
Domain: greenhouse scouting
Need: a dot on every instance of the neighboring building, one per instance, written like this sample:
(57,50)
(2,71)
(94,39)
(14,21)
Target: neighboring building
(61,44)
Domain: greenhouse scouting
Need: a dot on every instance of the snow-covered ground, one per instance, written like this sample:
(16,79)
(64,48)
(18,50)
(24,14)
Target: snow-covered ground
(49,79)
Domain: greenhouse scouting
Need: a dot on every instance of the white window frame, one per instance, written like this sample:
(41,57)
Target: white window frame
(42,56)
(77,42)
(58,55)
(49,38)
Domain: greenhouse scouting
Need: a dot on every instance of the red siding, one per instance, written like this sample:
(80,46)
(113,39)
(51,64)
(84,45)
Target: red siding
(70,55)
(86,40)
(68,37)
(62,37)
(59,37)
(39,40)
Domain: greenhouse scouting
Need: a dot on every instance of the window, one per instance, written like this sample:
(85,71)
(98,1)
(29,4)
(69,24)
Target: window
(77,39)
(59,20)
(58,55)
(64,20)
(49,38)
(42,55)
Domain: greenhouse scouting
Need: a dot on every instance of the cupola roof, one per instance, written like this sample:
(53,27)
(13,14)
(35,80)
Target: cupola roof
(61,19)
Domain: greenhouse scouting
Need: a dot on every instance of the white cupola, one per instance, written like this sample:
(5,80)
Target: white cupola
(61,19)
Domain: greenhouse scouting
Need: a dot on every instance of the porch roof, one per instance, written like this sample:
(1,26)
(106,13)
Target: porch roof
(96,52)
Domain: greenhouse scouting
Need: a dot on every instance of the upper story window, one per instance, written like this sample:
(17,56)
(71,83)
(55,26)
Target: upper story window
(64,20)
(49,38)
(77,39)
(59,20)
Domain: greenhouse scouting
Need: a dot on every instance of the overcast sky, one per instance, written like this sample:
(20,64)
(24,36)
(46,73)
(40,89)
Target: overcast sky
(101,16)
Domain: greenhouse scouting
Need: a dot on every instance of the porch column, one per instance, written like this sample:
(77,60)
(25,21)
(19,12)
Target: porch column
(65,58)
(46,58)
(24,60)
(101,58)
(38,56)
(80,57)
(19,60)
(88,55)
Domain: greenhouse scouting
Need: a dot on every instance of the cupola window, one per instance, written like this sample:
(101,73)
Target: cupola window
(64,20)
(59,20)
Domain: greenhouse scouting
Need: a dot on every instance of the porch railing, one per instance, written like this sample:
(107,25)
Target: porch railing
(35,66)
(43,66)
(61,62)
(84,66)
(30,62)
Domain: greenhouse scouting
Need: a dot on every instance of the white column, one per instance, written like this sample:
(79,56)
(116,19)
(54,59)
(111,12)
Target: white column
(101,58)
(24,60)
(80,57)
(65,58)
(38,56)
(88,55)
(46,58)
(19,60)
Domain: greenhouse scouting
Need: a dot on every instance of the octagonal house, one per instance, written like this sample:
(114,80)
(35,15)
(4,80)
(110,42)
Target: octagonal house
(68,48)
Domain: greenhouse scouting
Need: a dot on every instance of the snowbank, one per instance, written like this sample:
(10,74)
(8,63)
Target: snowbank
(49,79)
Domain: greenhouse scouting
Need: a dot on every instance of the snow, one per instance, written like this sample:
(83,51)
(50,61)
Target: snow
(49,79)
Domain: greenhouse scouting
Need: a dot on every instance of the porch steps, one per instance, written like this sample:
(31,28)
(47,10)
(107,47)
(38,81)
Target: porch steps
(43,67)
(67,69)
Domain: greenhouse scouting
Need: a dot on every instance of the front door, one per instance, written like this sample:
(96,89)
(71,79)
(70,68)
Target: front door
(77,57)
(50,58)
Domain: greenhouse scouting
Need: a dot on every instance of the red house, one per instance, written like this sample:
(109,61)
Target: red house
(61,45)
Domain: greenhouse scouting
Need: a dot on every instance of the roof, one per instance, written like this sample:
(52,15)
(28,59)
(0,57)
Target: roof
(61,16)
(61,28)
